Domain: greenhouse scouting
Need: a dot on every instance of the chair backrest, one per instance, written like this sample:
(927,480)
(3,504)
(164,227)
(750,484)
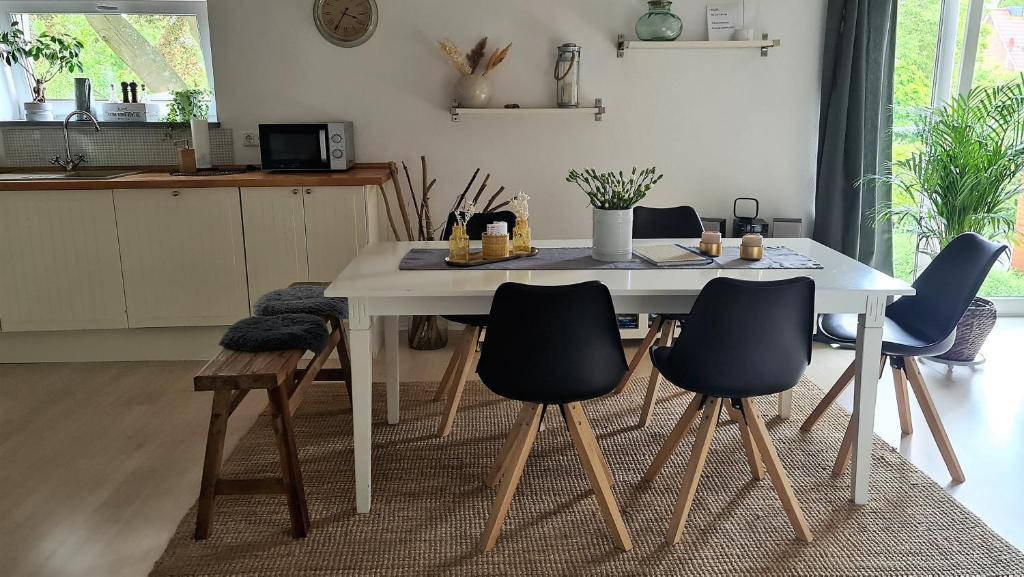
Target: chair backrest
(552,344)
(477,224)
(946,288)
(749,337)
(676,222)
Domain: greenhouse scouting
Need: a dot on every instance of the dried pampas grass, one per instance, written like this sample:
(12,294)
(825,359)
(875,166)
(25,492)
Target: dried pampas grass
(497,57)
(455,57)
(476,55)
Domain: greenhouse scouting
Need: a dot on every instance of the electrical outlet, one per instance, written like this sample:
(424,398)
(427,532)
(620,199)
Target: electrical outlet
(250,139)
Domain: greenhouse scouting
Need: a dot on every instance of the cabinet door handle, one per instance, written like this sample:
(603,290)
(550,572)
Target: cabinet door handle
(295,191)
(309,191)
(176,193)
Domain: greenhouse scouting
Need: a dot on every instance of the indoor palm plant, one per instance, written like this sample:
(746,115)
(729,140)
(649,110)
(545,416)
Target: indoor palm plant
(965,178)
(62,53)
(613,196)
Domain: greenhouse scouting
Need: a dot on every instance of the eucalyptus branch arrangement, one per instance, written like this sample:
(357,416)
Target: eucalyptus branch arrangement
(615,190)
(967,177)
(62,52)
(468,64)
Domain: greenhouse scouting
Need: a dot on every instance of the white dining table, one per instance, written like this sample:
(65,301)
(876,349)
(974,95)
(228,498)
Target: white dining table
(378,292)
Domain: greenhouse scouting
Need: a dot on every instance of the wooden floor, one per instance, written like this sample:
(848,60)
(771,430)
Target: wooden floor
(100,461)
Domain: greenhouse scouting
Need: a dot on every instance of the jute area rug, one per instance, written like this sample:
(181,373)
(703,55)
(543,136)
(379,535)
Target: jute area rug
(429,504)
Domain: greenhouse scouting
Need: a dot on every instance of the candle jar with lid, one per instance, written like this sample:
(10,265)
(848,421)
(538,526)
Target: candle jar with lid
(567,76)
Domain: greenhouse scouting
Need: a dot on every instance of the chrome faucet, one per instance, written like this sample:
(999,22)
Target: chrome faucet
(69,162)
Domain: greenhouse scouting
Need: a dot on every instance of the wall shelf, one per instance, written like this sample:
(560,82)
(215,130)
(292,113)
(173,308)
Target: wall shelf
(763,45)
(598,111)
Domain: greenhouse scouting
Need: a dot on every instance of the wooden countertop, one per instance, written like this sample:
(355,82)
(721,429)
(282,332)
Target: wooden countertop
(359,175)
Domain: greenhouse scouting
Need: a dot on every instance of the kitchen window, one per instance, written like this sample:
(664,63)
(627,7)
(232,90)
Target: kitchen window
(164,45)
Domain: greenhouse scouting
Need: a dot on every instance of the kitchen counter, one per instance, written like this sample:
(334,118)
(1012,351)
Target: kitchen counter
(359,175)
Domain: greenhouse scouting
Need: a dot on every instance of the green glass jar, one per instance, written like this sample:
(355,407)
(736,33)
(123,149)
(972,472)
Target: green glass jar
(659,24)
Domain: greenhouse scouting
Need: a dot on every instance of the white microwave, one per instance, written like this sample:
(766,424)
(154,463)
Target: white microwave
(307,146)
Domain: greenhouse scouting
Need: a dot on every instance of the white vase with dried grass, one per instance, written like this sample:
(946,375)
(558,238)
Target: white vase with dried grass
(473,90)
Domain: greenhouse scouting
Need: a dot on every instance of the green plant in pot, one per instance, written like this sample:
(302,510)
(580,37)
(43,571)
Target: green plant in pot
(613,196)
(61,52)
(966,178)
(190,109)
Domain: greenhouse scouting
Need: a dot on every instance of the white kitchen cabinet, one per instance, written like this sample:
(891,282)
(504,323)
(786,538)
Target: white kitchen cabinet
(183,256)
(336,228)
(275,238)
(59,262)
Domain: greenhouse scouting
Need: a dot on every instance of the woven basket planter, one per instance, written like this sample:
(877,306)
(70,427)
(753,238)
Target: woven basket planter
(971,332)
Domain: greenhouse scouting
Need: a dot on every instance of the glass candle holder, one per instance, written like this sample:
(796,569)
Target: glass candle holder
(458,244)
(521,241)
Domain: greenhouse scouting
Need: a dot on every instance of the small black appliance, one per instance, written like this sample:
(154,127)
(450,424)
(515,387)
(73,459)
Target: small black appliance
(742,225)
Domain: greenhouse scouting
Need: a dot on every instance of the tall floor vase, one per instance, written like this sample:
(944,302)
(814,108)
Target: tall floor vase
(427,332)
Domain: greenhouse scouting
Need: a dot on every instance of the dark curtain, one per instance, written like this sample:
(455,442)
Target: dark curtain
(855,133)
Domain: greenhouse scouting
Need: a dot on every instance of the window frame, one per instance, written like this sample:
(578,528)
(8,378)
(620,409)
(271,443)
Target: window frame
(198,8)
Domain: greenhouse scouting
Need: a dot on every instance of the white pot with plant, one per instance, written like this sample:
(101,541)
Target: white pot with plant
(966,178)
(192,106)
(613,196)
(473,90)
(61,52)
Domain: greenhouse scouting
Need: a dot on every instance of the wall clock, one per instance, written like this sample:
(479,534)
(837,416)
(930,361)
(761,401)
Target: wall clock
(346,23)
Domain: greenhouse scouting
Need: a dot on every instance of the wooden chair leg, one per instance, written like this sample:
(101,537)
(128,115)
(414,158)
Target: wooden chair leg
(931,416)
(845,451)
(780,480)
(593,464)
(212,463)
(455,390)
(747,438)
(641,353)
(291,472)
(343,357)
(902,399)
(510,481)
(505,453)
(837,389)
(698,454)
(675,437)
(453,365)
(652,382)
(590,431)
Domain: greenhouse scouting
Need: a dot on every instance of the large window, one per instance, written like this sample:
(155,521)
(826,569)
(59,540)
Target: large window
(163,45)
(944,48)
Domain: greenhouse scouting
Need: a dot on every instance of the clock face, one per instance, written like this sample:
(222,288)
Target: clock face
(346,23)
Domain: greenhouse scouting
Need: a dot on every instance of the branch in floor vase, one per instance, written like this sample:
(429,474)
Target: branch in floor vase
(480,192)
(493,198)
(462,197)
(415,204)
(401,200)
(428,225)
(387,208)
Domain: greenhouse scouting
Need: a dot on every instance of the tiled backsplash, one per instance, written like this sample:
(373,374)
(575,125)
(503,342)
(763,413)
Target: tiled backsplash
(112,146)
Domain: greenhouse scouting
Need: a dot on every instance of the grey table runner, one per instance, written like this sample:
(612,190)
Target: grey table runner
(775,257)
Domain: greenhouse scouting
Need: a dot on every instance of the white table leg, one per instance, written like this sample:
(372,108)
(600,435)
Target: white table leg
(869,350)
(361,345)
(391,353)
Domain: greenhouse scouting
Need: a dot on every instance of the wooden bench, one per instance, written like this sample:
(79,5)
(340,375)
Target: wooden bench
(231,375)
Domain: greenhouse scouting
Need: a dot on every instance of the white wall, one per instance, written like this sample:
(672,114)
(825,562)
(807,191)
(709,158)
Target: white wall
(719,124)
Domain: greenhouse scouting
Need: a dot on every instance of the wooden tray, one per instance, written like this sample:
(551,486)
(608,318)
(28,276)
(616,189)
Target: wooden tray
(476,259)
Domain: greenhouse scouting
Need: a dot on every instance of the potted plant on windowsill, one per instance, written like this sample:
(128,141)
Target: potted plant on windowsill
(966,178)
(60,51)
(613,196)
(190,108)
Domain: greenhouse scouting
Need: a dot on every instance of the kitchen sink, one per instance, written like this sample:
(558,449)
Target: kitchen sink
(72,175)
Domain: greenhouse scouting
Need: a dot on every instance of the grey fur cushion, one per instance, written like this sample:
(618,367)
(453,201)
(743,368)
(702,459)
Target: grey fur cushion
(276,333)
(308,300)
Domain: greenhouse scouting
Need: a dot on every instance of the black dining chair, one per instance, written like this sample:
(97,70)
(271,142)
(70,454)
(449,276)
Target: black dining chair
(676,222)
(552,345)
(721,360)
(917,326)
(461,363)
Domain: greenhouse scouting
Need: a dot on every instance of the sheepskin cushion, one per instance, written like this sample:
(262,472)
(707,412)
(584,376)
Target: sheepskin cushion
(308,300)
(276,333)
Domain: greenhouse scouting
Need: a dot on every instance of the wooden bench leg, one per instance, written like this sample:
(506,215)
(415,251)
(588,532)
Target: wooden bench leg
(212,463)
(343,358)
(291,473)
